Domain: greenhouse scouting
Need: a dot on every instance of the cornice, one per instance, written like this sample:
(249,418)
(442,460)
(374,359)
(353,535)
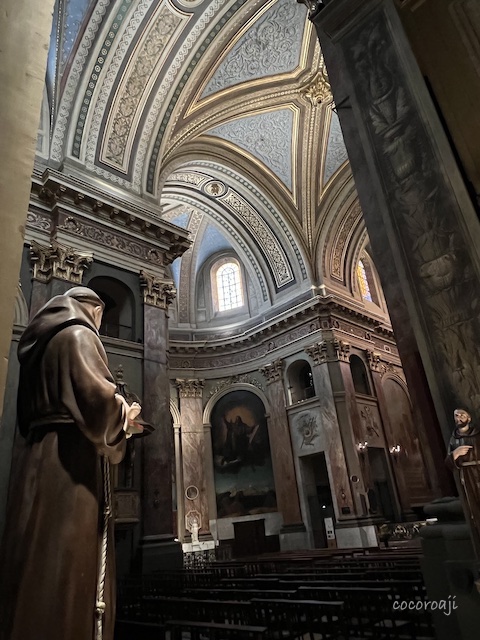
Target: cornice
(54,189)
(56,192)
(325,311)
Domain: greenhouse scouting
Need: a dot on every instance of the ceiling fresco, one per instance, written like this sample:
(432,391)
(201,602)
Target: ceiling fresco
(219,112)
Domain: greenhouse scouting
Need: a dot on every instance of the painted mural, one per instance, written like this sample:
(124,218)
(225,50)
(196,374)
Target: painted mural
(244,481)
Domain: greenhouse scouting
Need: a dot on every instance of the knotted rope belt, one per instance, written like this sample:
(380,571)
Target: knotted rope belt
(102,565)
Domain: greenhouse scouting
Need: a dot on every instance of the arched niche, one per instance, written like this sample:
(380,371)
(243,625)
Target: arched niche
(20,317)
(361,381)
(243,471)
(300,381)
(118,316)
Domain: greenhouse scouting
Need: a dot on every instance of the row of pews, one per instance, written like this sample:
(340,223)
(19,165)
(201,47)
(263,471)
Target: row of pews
(315,595)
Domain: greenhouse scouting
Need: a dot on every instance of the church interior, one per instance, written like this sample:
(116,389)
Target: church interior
(278,204)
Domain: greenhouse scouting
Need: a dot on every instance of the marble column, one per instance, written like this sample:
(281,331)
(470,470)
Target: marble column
(56,269)
(414,200)
(158,547)
(293,533)
(25,28)
(193,456)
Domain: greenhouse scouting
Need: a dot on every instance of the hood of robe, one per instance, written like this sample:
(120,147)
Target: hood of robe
(59,312)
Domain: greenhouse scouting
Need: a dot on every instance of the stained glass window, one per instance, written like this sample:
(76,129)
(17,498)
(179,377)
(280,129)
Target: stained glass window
(363,282)
(229,286)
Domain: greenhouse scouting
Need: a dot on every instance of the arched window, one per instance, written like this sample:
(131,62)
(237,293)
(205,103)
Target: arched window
(117,321)
(367,280)
(227,285)
(300,381)
(360,376)
(363,281)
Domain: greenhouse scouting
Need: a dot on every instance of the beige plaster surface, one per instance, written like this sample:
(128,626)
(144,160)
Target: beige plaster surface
(24,36)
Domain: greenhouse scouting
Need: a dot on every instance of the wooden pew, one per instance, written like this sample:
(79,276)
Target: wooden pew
(214,631)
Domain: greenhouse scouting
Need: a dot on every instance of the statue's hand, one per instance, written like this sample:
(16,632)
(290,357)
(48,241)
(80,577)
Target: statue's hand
(461,451)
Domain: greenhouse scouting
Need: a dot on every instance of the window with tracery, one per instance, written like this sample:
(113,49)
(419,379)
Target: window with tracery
(363,281)
(228,285)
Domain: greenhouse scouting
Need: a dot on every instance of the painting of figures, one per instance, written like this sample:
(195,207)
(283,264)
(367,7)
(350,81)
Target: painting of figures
(244,481)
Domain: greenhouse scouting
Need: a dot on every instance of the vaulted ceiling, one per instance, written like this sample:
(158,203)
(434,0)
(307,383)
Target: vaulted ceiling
(220,112)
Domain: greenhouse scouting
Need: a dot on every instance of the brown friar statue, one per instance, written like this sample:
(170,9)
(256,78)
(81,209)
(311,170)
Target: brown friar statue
(464,456)
(57,559)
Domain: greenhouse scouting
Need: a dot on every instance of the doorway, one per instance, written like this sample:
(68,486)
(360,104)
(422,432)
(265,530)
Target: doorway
(380,492)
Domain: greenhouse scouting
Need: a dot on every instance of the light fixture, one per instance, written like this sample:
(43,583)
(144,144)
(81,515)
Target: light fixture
(396,449)
(362,447)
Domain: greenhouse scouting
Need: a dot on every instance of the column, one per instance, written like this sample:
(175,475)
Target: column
(198,546)
(341,486)
(25,28)
(159,550)
(293,533)
(193,454)
(56,269)
(415,204)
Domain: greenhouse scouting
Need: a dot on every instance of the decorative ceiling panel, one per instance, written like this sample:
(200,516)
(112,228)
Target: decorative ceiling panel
(75,12)
(165,26)
(270,47)
(267,136)
(336,153)
(212,241)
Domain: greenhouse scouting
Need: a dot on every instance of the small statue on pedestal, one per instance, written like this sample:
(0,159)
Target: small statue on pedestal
(464,455)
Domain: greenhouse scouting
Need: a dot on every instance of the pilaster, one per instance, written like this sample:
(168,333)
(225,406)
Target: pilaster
(158,449)
(195,498)
(293,533)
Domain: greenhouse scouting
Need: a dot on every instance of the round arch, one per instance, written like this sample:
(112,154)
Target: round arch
(235,386)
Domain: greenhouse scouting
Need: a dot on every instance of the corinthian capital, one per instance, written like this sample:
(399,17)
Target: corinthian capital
(317,352)
(57,261)
(189,388)
(373,360)
(342,350)
(273,371)
(156,292)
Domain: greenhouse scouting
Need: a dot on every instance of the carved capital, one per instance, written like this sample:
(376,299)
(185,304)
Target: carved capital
(373,360)
(273,371)
(57,261)
(156,292)
(189,388)
(318,352)
(342,350)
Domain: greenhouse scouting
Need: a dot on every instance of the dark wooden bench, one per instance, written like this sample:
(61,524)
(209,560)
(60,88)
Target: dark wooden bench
(213,631)
(134,630)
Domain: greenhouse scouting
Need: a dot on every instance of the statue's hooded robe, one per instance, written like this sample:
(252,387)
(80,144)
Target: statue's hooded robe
(69,418)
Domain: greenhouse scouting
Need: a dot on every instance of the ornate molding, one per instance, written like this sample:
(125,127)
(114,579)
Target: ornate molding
(239,379)
(156,292)
(318,91)
(342,350)
(273,371)
(57,261)
(318,352)
(189,388)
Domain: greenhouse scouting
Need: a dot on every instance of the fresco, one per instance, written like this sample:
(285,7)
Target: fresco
(244,481)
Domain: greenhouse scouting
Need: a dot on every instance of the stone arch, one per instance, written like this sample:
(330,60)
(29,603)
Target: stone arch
(20,317)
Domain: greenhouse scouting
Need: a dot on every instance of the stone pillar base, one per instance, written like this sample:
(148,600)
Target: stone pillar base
(160,552)
(449,569)
(358,533)
(293,537)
